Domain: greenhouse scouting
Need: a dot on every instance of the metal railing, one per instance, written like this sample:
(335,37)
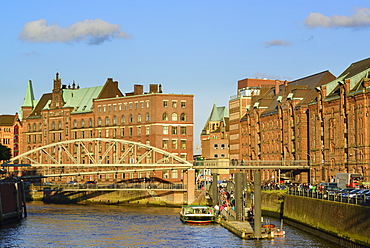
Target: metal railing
(111,187)
(357,199)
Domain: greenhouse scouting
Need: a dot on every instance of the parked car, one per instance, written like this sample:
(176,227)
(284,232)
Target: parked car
(360,193)
(351,193)
(72,183)
(344,192)
(90,182)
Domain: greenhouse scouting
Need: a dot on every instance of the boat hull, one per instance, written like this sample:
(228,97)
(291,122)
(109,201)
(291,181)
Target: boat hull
(197,214)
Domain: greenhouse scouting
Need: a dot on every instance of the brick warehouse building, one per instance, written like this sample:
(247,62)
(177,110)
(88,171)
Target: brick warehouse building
(10,130)
(320,118)
(154,118)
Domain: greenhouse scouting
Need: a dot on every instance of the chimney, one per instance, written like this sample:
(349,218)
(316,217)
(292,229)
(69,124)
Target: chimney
(153,88)
(277,87)
(138,89)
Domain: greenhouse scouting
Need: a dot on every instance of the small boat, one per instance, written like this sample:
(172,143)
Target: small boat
(197,214)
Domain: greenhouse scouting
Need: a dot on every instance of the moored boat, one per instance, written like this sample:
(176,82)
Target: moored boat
(197,214)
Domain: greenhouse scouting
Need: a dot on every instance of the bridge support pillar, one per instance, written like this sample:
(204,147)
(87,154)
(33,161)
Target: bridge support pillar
(191,186)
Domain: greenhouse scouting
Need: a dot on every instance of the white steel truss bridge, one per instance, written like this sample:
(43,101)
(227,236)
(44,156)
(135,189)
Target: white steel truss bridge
(84,159)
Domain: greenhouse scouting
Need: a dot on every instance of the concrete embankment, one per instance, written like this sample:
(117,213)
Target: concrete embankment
(345,224)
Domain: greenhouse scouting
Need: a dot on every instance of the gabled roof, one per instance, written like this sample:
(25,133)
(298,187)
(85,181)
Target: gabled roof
(356,68)
(301,90)
(41,104)
(7,120)
(356,72)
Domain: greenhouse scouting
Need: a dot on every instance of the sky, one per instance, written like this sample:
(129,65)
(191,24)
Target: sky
(191,47)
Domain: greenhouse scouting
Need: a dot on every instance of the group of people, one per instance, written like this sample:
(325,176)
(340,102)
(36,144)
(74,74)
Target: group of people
(227,201)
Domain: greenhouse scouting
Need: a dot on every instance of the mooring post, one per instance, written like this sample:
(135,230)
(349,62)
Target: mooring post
(191,186)
(257,204)
(239,196)
(214,190)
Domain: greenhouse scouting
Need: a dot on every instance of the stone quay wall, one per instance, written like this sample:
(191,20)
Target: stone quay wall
(148,197)
(345,224)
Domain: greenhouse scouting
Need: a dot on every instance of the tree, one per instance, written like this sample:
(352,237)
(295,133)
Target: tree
(5,153)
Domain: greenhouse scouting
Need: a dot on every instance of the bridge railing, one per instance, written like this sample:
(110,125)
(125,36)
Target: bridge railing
(357,199)
(115,186)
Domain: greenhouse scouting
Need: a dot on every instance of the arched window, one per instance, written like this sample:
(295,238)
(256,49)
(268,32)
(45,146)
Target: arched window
(174,117)
(99,121)
(90,122)
(114,120)
(139,118)
(183,117)
(131,118)
(59,125)
(29,127)
(107,121)
(122,119)
(75,123)
(147,117)
(82,123)
(34,127)
(53,126)
(165,117)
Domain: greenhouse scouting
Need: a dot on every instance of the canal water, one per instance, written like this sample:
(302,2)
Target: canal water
(49,225)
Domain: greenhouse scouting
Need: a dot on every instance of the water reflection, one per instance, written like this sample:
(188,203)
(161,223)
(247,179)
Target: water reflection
(117,226)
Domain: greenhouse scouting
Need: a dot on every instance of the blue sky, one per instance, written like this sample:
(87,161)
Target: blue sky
(193,47)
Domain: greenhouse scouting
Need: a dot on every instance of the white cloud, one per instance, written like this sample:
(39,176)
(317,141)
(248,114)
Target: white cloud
(269,76)
(361,18)
(277,42)
(93,32)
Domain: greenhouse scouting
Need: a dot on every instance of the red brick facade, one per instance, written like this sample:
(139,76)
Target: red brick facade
(154,118)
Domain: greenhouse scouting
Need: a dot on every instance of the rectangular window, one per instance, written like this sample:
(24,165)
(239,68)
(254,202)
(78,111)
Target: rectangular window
(174,144)
(147,130)
(174,174)
(122,132)
(174,104)
(183,104)
(165,144)
(130,131)
(147,104)
(183,144)
(165,129)
(138,130)
(183,130)
(165,103)
(174,129)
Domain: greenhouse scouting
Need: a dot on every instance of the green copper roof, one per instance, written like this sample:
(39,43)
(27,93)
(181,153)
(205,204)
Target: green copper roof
(81,99)
(217,114)
(29,99)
